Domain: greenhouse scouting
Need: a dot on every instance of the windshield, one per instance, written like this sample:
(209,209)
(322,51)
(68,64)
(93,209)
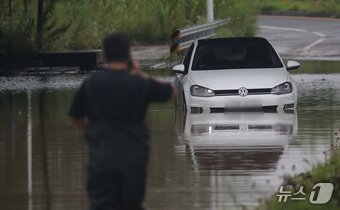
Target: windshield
(235,53)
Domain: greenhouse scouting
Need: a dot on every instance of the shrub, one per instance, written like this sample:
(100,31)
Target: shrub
(82,24)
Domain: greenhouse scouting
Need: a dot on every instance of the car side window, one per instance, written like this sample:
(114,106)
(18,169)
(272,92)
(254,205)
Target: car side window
(186,61)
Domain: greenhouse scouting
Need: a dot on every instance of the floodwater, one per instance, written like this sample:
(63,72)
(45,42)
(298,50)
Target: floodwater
(200,161)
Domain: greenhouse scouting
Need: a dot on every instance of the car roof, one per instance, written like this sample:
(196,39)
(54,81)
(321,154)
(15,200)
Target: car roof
(234,40)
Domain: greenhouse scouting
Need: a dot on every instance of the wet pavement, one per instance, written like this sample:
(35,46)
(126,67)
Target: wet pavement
(200,161)
(302,37)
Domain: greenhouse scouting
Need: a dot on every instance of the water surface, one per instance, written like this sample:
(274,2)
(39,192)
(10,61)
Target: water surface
(214,161)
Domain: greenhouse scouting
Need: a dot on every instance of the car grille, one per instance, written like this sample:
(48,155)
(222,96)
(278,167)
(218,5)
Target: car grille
(261,91)
(266,109)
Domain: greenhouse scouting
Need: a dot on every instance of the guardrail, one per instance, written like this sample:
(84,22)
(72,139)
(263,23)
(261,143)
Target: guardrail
(182,38)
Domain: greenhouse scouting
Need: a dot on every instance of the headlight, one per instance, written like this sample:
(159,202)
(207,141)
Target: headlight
(196,90)
(284,88)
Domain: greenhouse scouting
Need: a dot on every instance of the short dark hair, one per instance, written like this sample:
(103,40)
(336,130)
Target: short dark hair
(116,47)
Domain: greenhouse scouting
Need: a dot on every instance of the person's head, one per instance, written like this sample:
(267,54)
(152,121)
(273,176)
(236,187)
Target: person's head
(116,47)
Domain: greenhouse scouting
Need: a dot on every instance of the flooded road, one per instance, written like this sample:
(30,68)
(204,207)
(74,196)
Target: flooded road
(201,161)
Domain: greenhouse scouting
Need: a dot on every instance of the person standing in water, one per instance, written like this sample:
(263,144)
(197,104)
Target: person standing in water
(110,107)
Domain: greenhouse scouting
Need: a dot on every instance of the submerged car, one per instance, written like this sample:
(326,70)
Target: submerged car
(235,74)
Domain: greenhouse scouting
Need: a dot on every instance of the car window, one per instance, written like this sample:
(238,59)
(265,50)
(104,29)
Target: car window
(186,61)
(235,53)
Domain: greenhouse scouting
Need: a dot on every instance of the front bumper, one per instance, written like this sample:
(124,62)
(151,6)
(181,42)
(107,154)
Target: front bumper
(237,103)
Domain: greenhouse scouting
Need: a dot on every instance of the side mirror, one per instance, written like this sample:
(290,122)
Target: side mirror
(291,65)
(180,68)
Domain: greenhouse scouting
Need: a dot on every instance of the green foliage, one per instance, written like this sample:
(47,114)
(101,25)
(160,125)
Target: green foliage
(18,46)
(242,14)
(328,8)
(82,24)
(145,21)
(317,67)
(53,28)
(17,41)
(328,172)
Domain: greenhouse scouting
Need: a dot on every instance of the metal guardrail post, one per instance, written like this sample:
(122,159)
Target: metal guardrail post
(210,11)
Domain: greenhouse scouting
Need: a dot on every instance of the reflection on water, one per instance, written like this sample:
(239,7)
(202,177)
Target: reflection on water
(206,161)
(237,141)
(239,152)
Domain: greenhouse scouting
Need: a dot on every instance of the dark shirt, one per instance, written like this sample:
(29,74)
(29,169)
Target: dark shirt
(115,102)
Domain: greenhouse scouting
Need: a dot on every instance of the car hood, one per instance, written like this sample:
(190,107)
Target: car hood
(234,79)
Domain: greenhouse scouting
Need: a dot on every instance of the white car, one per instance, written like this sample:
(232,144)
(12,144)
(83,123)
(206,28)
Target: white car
(235,74)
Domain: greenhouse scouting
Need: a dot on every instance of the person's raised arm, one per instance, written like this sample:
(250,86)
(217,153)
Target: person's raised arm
(136,70)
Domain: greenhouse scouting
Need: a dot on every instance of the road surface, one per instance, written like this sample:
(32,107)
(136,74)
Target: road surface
(293,37)
(302,37)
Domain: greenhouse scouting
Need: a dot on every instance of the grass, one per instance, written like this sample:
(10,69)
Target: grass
(319,8)
(86,22)
(82,24)
(318,67)
(328,172)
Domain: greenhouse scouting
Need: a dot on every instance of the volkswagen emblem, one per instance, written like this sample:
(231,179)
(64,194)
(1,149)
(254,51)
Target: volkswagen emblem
(243,91)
